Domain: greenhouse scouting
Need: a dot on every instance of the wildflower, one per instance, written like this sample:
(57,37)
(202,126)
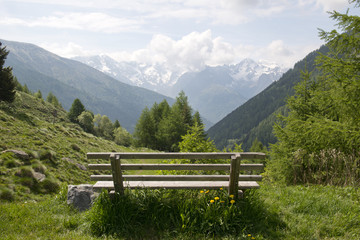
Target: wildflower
(252,238)
(232,196)
(201,191)
(249,235)
(232,201)
(216,198)
(221,188)
(207,191)
(212,201)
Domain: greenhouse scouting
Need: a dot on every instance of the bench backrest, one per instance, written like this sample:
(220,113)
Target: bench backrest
(234,167)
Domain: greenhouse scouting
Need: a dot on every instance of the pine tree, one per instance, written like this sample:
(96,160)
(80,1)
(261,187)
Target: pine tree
(76,109)
(7,83)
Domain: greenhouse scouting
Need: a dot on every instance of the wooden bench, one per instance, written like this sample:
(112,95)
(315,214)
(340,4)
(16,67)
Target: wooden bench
(234,182)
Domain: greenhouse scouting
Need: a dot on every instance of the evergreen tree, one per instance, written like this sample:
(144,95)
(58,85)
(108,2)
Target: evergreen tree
(144,133)
(323,123)
(116,124)
(38,94)
(76,109)
(7,83)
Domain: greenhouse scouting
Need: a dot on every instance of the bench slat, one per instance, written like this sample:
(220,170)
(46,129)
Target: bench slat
(176,184)
(176,177)
(205,167)
(177,155)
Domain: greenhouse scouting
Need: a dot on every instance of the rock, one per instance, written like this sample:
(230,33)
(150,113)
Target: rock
(39,176)
(80,166)
(20,154)
(81,196)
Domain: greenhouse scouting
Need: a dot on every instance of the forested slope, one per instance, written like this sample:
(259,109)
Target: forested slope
(243,124)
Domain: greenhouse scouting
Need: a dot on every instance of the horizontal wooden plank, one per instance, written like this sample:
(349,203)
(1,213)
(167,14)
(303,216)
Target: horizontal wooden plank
(177,155)
(176,184)
(176,177)
(204,167)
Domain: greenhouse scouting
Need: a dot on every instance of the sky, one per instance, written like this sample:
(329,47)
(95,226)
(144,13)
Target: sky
(186,34)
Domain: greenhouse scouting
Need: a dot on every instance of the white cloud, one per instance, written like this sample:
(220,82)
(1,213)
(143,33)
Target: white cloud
(69,50)
(96,22)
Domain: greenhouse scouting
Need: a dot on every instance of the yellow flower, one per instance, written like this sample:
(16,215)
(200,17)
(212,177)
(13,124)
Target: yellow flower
(221,188)
(222,201)
(216,198)
(252,238)
(207,191)
(232,201)
(211,201)
(232,196)
(249,235)
(201,191)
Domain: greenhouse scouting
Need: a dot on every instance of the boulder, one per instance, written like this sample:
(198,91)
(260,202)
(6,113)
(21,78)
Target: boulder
(81,196)
(19,154)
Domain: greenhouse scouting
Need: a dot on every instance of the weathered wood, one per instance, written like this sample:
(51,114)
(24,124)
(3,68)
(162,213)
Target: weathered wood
(205,167)
(116,173)
(176,185)
(177,155)
(176,177)
(234,175)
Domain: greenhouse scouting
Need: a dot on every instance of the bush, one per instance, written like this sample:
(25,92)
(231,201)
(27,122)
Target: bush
(50,185)
(7,194)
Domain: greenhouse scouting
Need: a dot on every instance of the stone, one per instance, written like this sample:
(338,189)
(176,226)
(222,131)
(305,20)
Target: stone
(20,154)
(81,196)
(39,176)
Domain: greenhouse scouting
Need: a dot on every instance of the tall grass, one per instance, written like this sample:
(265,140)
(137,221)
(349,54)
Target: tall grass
(172,213)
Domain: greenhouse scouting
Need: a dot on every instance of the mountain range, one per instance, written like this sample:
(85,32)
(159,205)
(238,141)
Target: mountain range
(213,91)
(69,79)
(255,118)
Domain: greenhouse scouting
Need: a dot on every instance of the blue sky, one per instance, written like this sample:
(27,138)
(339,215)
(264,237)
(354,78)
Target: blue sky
(188,34)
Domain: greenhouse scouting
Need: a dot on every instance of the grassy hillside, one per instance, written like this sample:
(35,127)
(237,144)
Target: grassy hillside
(55,148)
(30,209)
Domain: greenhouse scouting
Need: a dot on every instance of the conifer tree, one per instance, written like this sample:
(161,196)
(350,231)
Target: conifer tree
(7,83)
(76,109)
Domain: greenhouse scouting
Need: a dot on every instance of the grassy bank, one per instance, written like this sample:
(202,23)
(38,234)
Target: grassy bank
(272,212)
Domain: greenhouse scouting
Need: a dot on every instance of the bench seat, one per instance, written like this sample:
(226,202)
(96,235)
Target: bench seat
(176,184)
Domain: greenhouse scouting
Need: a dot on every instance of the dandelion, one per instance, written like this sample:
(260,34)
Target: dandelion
(249,235)
(207,191)
(201,191)
(212,201)
(216,198)
(221,188)
(232,201)
(252,238)
(232,196)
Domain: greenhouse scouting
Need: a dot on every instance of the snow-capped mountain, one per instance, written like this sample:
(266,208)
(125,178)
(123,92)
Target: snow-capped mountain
(214,91)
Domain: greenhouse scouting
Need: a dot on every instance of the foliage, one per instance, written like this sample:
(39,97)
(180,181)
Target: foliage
(194,141)
(76,109)
(319,138)
(7,83)
(51,98)
(122,137)
(145,213)
(86,121)
(161,127)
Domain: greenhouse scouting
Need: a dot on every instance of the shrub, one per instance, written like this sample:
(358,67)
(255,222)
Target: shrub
(7,194)
(50,185)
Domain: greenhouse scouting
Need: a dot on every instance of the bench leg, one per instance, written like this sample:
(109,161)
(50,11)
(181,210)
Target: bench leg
(234,175)
(116,173)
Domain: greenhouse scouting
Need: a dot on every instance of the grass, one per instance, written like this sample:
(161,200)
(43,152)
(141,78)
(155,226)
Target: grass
(271,212)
